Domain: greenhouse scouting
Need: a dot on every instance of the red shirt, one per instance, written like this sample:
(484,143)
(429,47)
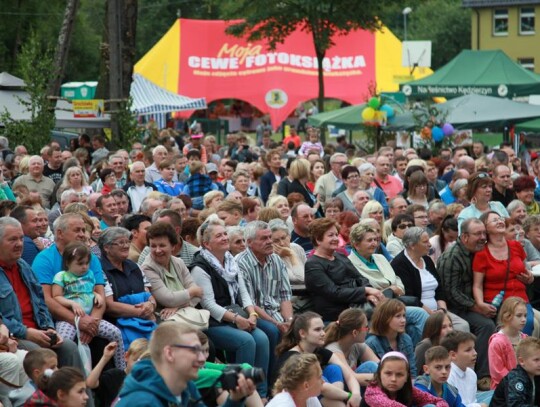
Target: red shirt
(495,272)
(22,292)
(392,187)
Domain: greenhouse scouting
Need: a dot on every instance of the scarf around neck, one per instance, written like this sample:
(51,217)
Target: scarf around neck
(229,272)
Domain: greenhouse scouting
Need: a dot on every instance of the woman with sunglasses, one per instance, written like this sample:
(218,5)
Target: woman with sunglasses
(445,236)
(499,268)
(479,192)
(400,224)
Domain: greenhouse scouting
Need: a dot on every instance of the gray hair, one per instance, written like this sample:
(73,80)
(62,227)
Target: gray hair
(68,194)
(36,158)
(466,225)
(515,204)
(235,231)
(62,222)
(412,236)
(276,225)
(109,235)
(458,184)
(251,229)
(365,167)
(205,230)
(158,148)
(436,206)
(4,142)
(115,156)
(529,222)
(8,221)
(335,156)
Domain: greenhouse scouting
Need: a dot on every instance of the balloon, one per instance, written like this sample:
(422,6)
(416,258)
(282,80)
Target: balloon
(374,103)
(426,133)
(368,114)
(389,111)
(437,134)
(448,129)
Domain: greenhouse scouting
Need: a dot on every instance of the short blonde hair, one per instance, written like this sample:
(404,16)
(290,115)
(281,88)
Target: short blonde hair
(300,169)
(167,333)
(210,196)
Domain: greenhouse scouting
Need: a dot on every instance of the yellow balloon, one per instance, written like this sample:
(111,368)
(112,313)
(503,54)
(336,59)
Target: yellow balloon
(368,114)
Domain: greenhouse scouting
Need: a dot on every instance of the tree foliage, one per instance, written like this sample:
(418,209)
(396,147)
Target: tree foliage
(35,68)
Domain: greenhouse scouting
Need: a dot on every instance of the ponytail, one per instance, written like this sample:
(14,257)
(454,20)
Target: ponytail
(50,382)
(291,338)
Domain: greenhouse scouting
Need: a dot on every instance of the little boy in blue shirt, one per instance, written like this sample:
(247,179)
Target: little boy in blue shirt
(434,381)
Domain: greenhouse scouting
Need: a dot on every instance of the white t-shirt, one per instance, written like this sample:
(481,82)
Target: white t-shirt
(284,399)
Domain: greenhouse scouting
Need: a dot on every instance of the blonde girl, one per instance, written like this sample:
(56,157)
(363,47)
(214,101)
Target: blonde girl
(502,345)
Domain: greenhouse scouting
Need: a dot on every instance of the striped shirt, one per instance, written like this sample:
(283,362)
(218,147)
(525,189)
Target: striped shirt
(267,284)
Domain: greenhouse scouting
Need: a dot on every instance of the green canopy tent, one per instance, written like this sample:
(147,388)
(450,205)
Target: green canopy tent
(350,118)
(531,126)
(475,111)
(488,73)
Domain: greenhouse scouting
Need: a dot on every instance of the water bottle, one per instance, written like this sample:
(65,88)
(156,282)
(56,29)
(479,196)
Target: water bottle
(497,301)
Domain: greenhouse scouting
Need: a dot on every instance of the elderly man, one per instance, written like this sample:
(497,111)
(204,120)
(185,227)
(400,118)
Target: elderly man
(455,269)
(390,185)
(36,181)
(446,193)
(23,307)
(302,216)
(137,189)
(360,199)
(267,282)
(328,183)
(176,355)
(436,214)
(66,198)
(152,175)
(184,250)
(28,219)
(68,228)
(502,185)
(396,206)
(100,152)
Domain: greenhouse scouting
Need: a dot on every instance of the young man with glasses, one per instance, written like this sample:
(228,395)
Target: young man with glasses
(176,355)
(420,215)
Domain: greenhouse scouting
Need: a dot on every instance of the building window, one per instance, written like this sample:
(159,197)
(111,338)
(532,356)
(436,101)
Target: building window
(526,20)
(527,63)
(500,21)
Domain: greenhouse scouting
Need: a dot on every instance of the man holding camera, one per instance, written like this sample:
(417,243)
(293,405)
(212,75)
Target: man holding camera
(176,355)
(22,304)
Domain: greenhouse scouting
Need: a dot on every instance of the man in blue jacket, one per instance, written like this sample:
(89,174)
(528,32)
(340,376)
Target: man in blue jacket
(167,378)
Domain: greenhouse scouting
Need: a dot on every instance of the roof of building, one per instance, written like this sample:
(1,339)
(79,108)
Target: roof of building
(498,3)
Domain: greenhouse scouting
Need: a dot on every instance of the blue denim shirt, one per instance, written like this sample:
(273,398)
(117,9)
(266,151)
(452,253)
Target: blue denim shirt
(380,346)
(10,310)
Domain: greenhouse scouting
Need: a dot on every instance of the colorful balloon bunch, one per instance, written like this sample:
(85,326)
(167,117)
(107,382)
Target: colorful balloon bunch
(375,113)
(437,133)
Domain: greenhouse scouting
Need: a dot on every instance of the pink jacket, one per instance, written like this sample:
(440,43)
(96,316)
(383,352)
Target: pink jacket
(501,357)
(374,396)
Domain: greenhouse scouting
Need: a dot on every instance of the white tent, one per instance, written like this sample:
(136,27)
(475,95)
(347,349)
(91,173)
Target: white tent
(150,99)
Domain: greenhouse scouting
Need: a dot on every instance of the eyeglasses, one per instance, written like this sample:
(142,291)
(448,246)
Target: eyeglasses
(340,162)
(123,243)
(195,349)
(355,176)
(404,225)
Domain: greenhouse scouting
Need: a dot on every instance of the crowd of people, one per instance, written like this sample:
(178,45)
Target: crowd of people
(311,275)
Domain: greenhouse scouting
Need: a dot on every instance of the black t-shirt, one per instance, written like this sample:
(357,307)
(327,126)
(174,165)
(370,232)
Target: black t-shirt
(110,383)
(304,242)
(55,175)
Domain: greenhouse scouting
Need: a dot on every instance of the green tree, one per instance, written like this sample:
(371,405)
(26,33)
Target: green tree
(274,21)
(35,68)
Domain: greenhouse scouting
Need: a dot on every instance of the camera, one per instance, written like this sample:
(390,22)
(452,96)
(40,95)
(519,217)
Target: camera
(53,338)
(229,377)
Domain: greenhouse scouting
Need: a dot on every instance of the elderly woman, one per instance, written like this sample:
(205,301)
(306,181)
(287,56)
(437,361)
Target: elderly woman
(375,210)
(479,190)
(515,231)
(241,181)
(351,179)
(333,208)
(331,279)
(517,211)
(524,187)
(500,268)
(237,243)
(292,254)
(131,306)
(419,275)
(377,270)
(399,225)
(233,322)
(281,204)
(212,199)
(170,281)
(367,176)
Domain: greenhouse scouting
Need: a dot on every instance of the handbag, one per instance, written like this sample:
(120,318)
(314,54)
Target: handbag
(408,300)
(84,350)
(237,309)
(194,317)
